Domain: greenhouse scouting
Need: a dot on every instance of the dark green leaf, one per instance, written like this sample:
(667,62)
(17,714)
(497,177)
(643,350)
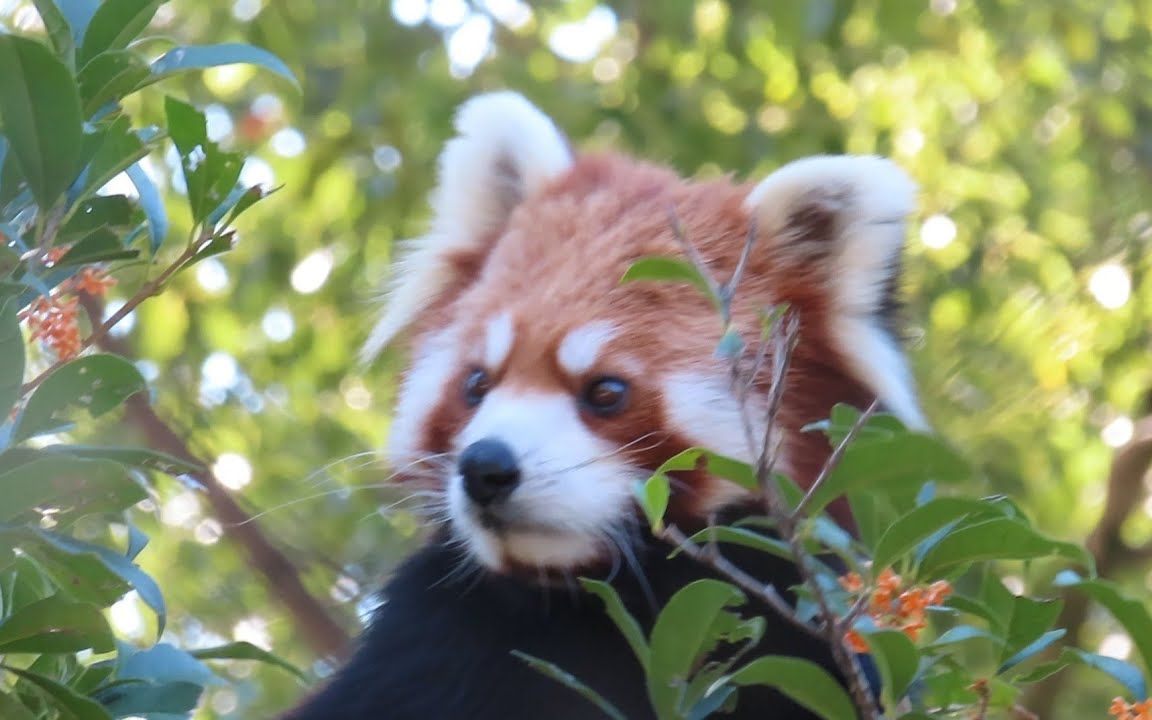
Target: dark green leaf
(58,29)
(186,125)
(1032,649)
(1030,620)
(115,24)
(1123,672)
(97,383)
(56,625)
(40,109)
(682,633)
(200,57)
(71,705)
(619,614)
(102,245)
(803,681)
(1131,613)
(109,77)
(898,660)
(113,150)
(997,539)
(669,270)
(572,682)
(925,520)
(888,464)
(12,709)
(115,212)
(246,651)
(744,537)
(11,357)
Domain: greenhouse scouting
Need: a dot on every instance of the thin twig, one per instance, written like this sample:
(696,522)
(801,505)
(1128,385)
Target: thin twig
(761,591)
(147,290)
(692,253)
(835,458)
(729,288)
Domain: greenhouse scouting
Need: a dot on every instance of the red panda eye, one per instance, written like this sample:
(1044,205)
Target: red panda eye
(476,386)
(606,396)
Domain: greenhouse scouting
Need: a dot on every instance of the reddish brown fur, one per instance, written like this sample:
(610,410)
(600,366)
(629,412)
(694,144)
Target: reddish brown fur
(557,265)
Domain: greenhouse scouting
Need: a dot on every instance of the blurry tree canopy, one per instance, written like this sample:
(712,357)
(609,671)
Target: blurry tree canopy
(1026,125)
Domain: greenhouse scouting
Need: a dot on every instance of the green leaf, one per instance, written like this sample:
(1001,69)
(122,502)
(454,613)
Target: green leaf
(143,458)
(209,173)
(56,625)
(965,633)
(13,709)
(997,539)
(1131,613)
(627,624)
(70,486)
(113,150)
(59,32)
(112,212)
(109,77)
(1122,672)
(905,533)
(803,681)
(1032,649)
(40,109)
(115,24)
(71,705)
(1030,620)
(11,357)
(102,245)
(889,464)
(572,682)
(200,57)
(744,537)
(246,651)
(669,269)
(98,383)
(164,663)
(653,497)
(898,660)
(89,571)
(186,125)
(684,630)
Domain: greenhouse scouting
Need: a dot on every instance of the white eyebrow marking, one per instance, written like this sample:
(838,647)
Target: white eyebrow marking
(498,341)
(580,348)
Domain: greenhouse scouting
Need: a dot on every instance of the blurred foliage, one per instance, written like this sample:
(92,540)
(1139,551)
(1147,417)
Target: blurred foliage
(1025,123)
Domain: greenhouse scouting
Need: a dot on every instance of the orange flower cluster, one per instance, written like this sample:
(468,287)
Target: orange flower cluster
(53,320)
(891,607)
(1122,710)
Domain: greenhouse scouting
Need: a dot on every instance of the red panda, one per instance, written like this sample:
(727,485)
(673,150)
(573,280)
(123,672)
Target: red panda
(540,389)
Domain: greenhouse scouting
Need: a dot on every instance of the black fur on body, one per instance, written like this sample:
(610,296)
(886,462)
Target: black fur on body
(442,649)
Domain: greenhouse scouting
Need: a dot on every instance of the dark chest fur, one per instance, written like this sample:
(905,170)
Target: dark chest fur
(442,649)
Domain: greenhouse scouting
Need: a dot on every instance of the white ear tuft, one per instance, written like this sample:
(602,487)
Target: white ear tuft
(842,217)
(504,151)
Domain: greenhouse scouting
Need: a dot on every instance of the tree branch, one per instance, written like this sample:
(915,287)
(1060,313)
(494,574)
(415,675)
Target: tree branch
(315,623)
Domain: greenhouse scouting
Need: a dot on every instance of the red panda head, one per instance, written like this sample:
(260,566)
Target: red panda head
(543,388)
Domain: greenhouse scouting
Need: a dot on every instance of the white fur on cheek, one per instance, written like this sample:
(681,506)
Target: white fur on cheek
(579,349)
(574,490)
(435,362)
(498,341)
(703,409)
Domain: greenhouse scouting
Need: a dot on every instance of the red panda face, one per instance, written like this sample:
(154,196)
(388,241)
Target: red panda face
(543,389)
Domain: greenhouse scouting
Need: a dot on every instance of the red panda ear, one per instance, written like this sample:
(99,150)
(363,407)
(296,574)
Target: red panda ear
(839,220)
(505,150)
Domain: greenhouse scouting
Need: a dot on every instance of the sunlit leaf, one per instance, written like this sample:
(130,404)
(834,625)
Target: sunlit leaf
(803,681)
(246,651)
(200,57)
(996,539)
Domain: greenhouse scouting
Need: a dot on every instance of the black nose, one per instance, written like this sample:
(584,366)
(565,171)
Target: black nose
(490,471)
